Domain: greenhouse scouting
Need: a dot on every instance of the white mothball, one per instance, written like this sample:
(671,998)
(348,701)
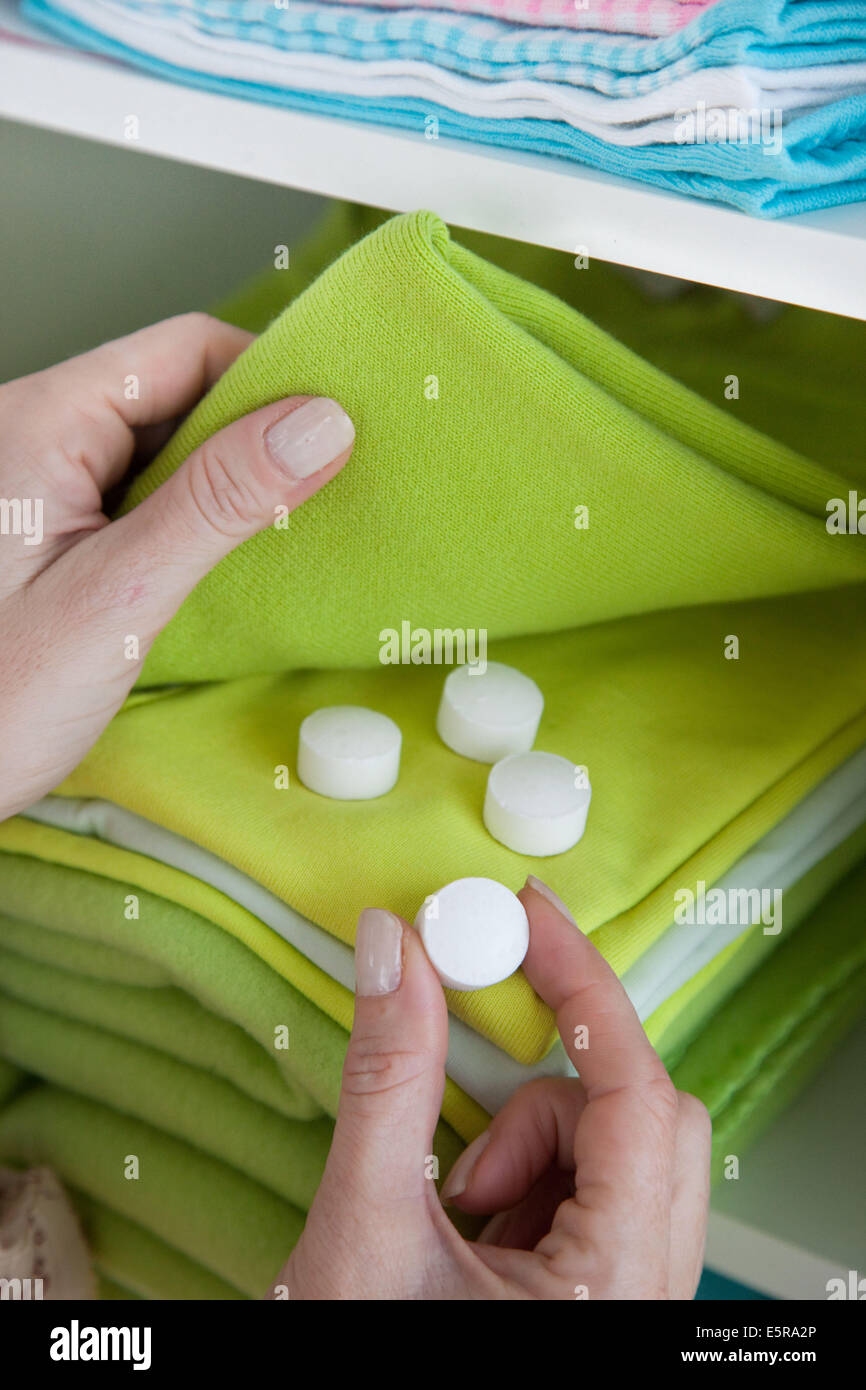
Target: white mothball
(487,715)
(475,932)
(537,803)
(349,753)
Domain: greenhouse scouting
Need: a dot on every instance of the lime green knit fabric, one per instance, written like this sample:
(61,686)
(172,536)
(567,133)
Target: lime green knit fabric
(486,410)
(799,372)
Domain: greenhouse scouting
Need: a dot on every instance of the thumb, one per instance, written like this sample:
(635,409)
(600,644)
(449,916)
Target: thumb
(226,491)
(393,1077)
(132,575)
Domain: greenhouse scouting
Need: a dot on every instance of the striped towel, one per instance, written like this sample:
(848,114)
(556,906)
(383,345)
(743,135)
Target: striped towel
(652,18)
(759,33)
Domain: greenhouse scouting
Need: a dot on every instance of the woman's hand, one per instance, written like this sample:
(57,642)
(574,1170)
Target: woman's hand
(597,1188)
(74,587)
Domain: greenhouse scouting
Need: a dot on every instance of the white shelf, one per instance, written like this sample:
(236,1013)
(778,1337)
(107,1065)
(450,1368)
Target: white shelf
(817,259)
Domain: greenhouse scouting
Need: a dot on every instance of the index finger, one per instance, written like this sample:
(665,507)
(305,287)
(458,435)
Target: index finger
(101,397)
(570,975)
(624,1142)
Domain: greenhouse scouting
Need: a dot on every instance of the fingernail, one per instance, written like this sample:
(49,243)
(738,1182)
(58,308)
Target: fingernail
(378,952)
(542,888)
(308,438)
(458,1179)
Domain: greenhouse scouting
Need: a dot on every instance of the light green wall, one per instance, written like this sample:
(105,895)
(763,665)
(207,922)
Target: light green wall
(96,241)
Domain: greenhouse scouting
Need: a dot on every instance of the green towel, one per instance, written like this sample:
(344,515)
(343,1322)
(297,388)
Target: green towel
(133,1263)
(217,971)
(192,1226)
(41,967)
(458,507)
(777,1029)
(799,371)
(674,1026)
(228,1051)
(214,1215)
(285,1156)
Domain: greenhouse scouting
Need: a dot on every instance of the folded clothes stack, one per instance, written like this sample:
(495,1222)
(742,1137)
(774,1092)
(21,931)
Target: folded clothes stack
(760,104)
(175,945)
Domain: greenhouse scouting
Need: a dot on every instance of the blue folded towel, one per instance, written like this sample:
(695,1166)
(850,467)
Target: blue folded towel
(822,160)
(759,33)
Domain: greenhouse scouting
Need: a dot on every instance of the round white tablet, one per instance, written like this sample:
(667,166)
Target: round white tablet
(536,803)
(487,715)
(475,932)
(349,753)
